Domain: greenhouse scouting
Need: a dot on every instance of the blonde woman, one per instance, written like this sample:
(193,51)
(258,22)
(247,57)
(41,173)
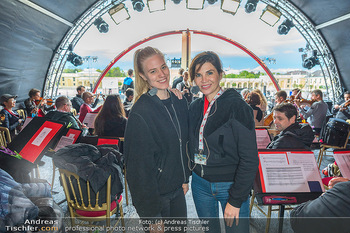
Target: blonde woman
(155,140)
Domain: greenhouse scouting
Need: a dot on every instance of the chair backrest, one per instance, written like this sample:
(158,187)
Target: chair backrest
(81,197)
(22,113)
(74,111)
(5,137)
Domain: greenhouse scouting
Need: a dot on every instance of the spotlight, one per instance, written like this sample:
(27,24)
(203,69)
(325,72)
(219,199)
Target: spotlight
(156,5)
(250,6)
(119,13)
(101,25)
(195,4)
(211,2)
(177,1)
(284,28)
(270,15)
(75,59)
(310,62)
(230,6)
(138,5)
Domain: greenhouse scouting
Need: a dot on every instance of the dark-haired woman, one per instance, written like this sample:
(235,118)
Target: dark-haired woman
(222,147)
(111,121)
(254,102)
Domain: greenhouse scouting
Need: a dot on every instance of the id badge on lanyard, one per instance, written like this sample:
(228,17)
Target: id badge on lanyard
(201,158)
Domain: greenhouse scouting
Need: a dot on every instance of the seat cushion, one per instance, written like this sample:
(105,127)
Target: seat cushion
(98,213)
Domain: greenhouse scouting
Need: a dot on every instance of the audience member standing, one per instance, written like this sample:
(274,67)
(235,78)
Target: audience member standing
(129,93)
(178,79)
(185,87)
(128,82)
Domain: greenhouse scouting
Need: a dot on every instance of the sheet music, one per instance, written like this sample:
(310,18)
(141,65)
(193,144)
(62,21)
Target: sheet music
(42,135)
(26,122)
(64,141)
(90,119)
(262,138)
(308,162)
(343,161)
(290,172)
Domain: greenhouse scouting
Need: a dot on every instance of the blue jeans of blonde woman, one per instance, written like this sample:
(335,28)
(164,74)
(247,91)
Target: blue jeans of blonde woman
(207,195)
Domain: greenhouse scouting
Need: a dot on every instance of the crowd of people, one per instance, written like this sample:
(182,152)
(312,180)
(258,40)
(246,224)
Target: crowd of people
(172,134)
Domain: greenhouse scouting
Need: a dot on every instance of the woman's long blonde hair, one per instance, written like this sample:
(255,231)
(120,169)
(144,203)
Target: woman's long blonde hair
(141,85)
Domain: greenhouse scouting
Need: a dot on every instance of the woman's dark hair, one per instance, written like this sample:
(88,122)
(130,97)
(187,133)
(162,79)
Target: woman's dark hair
(254,98)
(111,109)
(200,59)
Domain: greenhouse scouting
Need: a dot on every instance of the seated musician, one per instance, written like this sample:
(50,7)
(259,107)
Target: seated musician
(77,100)
(64,114)
(11,119)
(330,212)
(342,111)
(86,107)
(316,114)
(292,135)
(280,97)
(35,106)
(296,93)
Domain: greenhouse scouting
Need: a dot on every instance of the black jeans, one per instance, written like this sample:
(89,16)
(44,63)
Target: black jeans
(174,211)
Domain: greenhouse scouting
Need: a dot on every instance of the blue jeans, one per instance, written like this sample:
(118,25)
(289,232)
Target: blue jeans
(206,196)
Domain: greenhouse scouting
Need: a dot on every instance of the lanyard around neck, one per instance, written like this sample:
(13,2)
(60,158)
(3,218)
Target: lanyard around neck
(205,119)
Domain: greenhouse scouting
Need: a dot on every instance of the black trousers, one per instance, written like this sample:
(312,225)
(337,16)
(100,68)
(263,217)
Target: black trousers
(174,211)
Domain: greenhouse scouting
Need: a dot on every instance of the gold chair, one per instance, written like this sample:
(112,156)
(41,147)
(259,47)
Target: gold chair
(22,113)
(74,111)
(5,137)
(77,202)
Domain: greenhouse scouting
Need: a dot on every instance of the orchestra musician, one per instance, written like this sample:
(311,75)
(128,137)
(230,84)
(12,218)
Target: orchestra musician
(11,119)
(296,93)
(64,114)
(316,114)
(280,97)
(342,111)
(293,135)
(86,107)
(35,105)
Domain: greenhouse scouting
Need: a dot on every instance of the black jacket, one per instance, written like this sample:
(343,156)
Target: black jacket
(115,127)
(230,136)
(65,117)
(11,121)
(156,163)
(296,136)
(328,213)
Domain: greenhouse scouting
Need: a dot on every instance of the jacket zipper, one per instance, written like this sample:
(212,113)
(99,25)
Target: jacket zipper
(179,136)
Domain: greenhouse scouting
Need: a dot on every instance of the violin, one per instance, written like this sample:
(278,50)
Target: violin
(345,104)
(48,101)
(308,102)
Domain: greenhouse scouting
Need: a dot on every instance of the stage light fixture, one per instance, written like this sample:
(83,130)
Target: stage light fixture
(310,62)
(101,25)
(75,59)
(195,4)
(211,2)
(119,13)
(270,15)
(177,1)
(230,6)
(138,5)
(250,6)
(285,27)
(156,5)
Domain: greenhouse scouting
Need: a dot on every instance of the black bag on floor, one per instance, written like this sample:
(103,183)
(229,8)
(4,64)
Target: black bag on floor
(335,132)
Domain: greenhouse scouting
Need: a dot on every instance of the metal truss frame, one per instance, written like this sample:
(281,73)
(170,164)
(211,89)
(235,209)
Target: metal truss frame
(288,10)
(316,42)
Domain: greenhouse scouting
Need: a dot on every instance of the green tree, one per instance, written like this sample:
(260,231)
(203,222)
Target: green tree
(72,70)
(115,72)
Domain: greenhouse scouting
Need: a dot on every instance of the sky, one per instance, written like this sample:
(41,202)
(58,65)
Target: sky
(246,29)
